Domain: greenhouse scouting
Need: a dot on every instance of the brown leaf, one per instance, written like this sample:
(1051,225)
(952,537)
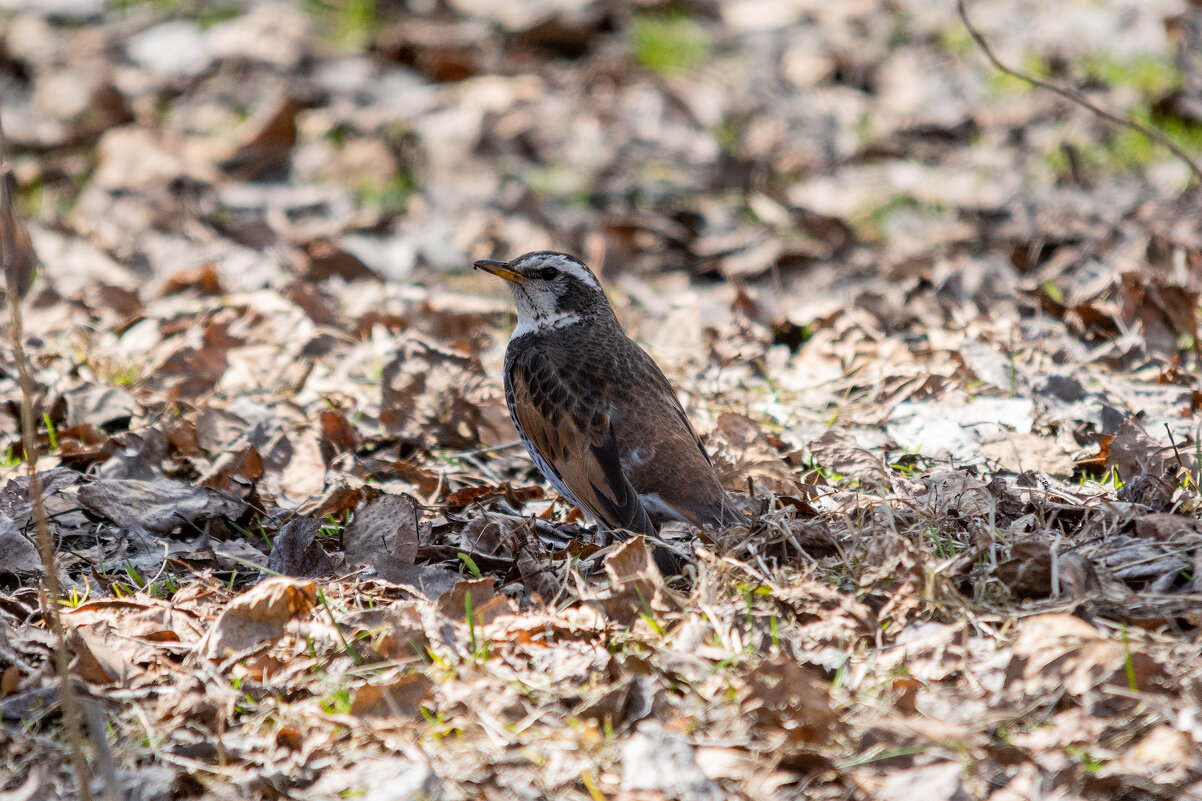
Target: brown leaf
(1148,468)
(401,698)
(271,145)
(1133,451)
(104,656)
(203,280)
(433,396)
(148,619)
(1057,652)
(296,552)
(320,307)
(383,535)
(836,450)
(305,474)
(324,259)
(1168,528)
(1029,572)
(1167,311)
(950,492)
(627,700)
(750,456)
(782,694)
(238,467)
(258,615)
(159,506)
(399,632)
(337,432)
(636,585)
(453,604)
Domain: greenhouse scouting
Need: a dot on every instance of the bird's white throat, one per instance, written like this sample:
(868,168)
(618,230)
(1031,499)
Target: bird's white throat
(532,323)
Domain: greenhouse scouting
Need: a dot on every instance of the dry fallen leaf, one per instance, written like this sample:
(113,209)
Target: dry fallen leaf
(296,552)
(433,396)
(271,145)
(383,535)
(837,451)
(258,615)
(783,695)
(1057,652)
(19,259)
(159,506)
(401,698)
(637,587)
(746,455)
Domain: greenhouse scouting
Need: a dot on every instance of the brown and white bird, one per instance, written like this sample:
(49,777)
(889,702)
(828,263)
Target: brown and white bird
(595,412)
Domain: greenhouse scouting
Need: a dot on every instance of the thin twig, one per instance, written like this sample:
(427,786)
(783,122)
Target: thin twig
(9,260)
(1069,93)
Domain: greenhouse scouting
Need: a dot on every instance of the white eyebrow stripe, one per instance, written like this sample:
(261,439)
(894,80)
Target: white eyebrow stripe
(562,262)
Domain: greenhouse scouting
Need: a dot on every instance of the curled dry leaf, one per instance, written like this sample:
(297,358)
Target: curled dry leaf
(305,474)
(259,615)
(145,618)
(636,584)
(270,147)
(104,655)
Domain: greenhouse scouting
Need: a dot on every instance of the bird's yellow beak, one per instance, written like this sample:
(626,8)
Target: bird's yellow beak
(500,268)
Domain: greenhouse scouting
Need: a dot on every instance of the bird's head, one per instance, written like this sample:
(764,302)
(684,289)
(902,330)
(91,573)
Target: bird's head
(551,289)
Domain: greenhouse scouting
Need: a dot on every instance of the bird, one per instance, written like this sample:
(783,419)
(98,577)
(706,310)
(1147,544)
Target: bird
(595,412)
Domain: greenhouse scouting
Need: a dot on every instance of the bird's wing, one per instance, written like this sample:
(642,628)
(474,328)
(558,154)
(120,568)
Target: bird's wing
(649,373)
(578,444)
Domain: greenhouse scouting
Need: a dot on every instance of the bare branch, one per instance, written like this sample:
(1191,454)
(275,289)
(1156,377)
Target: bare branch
(1072,94)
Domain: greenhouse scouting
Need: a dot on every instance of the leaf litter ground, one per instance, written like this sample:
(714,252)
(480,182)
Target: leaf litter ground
(938,331)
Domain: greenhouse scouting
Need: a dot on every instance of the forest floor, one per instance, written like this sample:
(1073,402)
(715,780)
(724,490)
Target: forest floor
(937,328)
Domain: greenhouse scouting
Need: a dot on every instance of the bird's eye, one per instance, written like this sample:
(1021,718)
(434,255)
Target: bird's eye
(547,273)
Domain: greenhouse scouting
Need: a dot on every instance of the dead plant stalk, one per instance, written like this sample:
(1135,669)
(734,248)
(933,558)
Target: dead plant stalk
(51,604)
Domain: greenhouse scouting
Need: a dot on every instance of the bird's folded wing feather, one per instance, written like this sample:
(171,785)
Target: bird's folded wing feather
(580,447)
(650,375)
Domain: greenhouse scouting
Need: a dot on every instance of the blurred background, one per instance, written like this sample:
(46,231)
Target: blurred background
(808,209)
(937,328)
